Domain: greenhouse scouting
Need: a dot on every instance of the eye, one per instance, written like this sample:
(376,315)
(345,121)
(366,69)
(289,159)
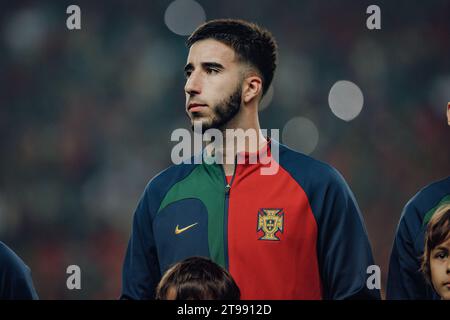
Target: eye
(441,255)
(211,71)
(187,74)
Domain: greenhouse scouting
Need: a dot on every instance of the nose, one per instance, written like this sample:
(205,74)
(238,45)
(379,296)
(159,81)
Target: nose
(193,84)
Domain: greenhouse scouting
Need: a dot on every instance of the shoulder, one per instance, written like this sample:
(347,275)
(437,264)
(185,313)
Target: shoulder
(429,196)
(425,200)
(432,192)
(10,263)
(15,276)
(162,182)
(310,173)
(165,179)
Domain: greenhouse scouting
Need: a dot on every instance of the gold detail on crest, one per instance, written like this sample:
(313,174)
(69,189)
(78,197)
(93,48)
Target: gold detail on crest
(270,221)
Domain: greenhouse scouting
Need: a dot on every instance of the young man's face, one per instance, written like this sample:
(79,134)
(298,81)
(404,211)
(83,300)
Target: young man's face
(440,269)
(213,84)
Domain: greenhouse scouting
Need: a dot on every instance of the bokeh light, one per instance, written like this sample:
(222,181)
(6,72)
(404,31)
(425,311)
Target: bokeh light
(346,100)
(301,134)
(184,16)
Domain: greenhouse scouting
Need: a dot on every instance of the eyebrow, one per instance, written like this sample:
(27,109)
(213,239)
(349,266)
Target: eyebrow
(441,248)
(190,66)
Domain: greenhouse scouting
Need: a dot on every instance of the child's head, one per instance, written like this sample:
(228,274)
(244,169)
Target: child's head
(197,278)
(435,260)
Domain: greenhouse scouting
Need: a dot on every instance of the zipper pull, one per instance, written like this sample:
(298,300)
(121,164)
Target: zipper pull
(227,188)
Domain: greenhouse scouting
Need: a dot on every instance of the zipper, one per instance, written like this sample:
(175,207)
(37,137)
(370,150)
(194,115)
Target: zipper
(226,204)
(228,185)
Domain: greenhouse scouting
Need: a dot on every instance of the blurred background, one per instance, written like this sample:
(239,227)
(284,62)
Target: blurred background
(86,115)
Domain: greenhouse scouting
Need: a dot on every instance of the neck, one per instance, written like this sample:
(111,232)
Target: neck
(245,136)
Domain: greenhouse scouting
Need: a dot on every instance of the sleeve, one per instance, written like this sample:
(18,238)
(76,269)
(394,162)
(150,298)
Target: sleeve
(344,250)
(405,281)
(15,277)
(141,272)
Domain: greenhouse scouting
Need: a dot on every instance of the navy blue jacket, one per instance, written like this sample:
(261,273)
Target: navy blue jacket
(15,277)
(405,281)
(317,247)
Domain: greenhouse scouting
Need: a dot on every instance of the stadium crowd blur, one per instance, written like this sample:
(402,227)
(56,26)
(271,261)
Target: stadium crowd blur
(86,117)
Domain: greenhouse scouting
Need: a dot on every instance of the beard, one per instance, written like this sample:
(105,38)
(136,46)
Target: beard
(223,112)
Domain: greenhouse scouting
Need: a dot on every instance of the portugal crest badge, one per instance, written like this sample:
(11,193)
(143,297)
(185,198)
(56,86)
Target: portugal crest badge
(270,221)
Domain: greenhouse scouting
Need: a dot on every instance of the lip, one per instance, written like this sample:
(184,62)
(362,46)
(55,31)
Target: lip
(194,107)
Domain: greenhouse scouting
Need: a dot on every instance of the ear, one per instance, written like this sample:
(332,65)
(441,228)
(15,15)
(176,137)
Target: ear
(252,88)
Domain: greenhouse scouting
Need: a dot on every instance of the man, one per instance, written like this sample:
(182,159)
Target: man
(405,280)
(295,234)
(15,277)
